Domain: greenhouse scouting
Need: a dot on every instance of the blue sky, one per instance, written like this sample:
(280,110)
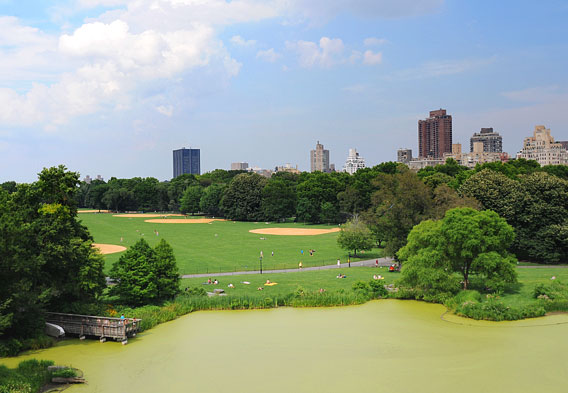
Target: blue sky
(111,87)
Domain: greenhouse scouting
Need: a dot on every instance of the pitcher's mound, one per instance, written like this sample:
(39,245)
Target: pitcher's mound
(183,220)
(293,231)
(133,215)
(108,248)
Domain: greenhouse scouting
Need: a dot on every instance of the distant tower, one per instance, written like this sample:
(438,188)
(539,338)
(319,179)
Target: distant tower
(435,135)
(492,141)
(354,162)
(404,155)
(187,161)
(319,159)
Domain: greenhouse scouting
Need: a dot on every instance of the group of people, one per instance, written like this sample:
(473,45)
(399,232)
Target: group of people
(340,275)
(378,277)
(214,281)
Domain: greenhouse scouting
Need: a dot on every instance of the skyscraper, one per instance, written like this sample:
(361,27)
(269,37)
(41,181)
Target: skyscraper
(187,161)
(319,159)
(492,141)
(435,135)
(541,147)
(354,162)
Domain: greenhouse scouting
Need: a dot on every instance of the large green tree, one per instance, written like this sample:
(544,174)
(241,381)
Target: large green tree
(465,247)
(317,198)
(402,201)
(46,258)
(355,236)
(189,202)
(144,275)
(243,198)
(210,202)
(278,200)
(536,205)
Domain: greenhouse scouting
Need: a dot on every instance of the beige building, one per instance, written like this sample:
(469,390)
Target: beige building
(287,168)
(319,159)
(477,156)
(542,148)
(239,166)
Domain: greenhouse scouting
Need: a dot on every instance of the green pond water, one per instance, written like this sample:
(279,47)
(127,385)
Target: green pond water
(382,346)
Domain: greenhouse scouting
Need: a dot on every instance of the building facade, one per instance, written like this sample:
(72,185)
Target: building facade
(404,155)
(354,162)
(492,141)
(435,135)
(239,166)
(287,168)
(187,161)
(542,148)
(477,156)
(319,159)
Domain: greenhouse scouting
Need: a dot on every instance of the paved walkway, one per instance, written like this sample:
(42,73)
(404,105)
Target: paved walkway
(370,262)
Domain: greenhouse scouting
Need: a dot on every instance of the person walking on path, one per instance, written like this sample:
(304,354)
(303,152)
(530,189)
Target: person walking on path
(338,262)
(300,265)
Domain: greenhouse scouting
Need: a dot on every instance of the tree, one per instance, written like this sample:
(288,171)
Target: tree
(46,258)
(189,202)
(278,200)
(355,235)
(210,202)
(402,201)
(242,199)
(134,275)
(313,194)
(167,272)
(144,275)
(465,246)
(536,206)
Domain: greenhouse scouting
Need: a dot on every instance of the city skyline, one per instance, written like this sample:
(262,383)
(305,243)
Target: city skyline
(111,87)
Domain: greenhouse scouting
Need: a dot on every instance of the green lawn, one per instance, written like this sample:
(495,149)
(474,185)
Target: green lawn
(221,245)
(289,282)
(522,294)
(326,279)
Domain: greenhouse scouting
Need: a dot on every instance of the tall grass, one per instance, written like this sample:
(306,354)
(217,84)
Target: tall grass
(28,377)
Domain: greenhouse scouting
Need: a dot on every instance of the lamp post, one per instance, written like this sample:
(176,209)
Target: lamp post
(349,260)
(260,265)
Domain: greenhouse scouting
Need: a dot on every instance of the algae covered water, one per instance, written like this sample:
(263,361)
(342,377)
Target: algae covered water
(382,346)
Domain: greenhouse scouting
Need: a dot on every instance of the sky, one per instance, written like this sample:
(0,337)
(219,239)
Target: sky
(111,87)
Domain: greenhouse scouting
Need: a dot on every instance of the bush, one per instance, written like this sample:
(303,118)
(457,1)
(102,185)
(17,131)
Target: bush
(556,290)
(362,289)
(378,289)
(64,373)
(493,309)
(10,347)
(28,377)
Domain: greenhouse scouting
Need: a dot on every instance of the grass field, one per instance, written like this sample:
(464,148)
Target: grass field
(221,246)
(289,282)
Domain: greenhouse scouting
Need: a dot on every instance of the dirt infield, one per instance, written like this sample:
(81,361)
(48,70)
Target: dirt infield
(293,231)
(138,215)
(184,221)
(93,211)
(108,248)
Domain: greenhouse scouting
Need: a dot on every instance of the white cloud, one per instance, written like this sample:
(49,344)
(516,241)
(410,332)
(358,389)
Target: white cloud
(113,65)
(533,94)
(371,58)
(240,41)
(373,41)
(165,110)
(328,53)
(443,67)
(268,55)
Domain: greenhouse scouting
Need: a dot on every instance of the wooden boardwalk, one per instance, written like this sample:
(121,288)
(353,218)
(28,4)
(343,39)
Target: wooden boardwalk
(101,327)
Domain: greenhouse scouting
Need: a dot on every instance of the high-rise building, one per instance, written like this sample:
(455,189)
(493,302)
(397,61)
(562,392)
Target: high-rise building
(187,161)
(239,166)
(492,141)
(542,148)
(319,159)
(354,162)
(404,155)
(435,135)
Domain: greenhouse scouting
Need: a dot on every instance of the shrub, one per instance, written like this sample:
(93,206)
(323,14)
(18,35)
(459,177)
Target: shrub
(378,289)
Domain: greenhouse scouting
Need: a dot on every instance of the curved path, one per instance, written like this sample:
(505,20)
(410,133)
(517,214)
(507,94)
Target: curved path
(369,262)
